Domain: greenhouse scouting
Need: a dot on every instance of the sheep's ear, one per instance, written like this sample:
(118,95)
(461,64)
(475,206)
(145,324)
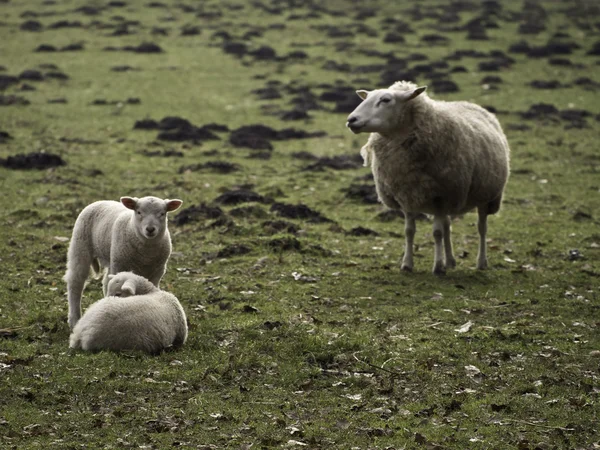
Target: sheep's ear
(128,287)
(110,276)
(129,202)
(418,91)
(173,205)
(362,93)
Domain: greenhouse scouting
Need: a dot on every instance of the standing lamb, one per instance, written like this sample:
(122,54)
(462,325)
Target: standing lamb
(434,157)
(128,236)
(149,319)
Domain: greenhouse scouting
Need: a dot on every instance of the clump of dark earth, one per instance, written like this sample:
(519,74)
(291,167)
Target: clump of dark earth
(13,100)
(31,25)
(33,161)
(177,129)
(196,213)
(258,137)
(304,155)
(339,162)
(491,79)
(4,137)
(190,30)
(444,86)
(366,193)
(595,50)
(45,48)
(65,24)
(284,244)
(264,53)
(249,211)
(235,48)
(31,75)
(57,75)
(262,155)
(362,231)
(393,38)
(540,111)
(389,215)
(520,47)
(434,39)
(164,153)
(267,93)
(299,211)
(295,114)
(144,47)
(233,250)
(240,196)
(124,68)
(222,167)
(103,102)
(586,83)
(60,100)
(27,87)
(542,84)
(279,226)
(7,80)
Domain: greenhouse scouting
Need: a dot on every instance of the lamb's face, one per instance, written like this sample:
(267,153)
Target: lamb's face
(379,111)
(123,284)
(150,214)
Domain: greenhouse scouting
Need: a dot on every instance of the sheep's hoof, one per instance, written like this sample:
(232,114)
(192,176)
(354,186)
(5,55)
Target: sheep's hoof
(450,263)
(482,265)
(406,268)
(439,270)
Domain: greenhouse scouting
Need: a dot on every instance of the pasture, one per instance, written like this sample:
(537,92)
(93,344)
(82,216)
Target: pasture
(303,331)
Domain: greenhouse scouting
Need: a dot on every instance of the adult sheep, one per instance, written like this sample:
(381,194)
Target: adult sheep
(130,235)
(434,157)
(149,319)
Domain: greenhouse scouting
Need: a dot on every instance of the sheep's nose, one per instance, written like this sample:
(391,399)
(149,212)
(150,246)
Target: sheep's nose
(352,119)
(150,229)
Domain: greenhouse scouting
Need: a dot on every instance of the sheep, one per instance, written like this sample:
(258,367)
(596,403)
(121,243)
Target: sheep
(135,315)
(130,235)
(434,157)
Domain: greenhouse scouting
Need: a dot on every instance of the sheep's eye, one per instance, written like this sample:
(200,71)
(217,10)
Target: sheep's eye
(162,214)
(139,213)
(385,100)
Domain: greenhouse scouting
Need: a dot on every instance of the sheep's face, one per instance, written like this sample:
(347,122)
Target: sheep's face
(380,110)
(150,214)
(123,284)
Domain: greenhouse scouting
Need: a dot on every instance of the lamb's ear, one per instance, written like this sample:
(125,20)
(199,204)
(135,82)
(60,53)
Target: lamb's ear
(418,91)
(128,287)
(110,276)
(129,202)
(362,93)
(173,205)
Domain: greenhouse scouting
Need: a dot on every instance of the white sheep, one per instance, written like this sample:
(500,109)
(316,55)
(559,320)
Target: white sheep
(148,319)
(128,236)
(433,157)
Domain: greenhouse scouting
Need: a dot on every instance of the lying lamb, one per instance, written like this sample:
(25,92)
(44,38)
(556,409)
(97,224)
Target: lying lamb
(148,319)
(128,236)
(434,157)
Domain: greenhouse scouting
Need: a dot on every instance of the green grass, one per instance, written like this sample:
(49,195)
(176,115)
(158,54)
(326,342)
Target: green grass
(360,356)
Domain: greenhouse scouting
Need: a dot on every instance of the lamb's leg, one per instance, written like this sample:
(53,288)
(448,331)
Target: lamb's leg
(450,261)
(439,267)
(482,228)
(409,230)
(75,278)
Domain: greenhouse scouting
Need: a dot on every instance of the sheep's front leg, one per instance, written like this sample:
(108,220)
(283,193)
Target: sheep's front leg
(450,261)
(439,268)
(157,276)
(409,230)
(482,262)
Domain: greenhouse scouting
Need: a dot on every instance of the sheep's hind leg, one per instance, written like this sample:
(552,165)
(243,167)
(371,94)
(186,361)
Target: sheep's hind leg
(439,268)
(450,260)
(482,262)
(75,278)
(409,230)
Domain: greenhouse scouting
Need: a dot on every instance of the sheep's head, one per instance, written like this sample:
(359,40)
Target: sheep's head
(126,284)
(380,110)
(150,214)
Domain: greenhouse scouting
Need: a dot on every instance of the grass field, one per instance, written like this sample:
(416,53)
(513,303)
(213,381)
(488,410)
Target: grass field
(303,331)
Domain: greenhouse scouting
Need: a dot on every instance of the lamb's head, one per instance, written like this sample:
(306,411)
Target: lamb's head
(126,284)
(150,214)
(382,110)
